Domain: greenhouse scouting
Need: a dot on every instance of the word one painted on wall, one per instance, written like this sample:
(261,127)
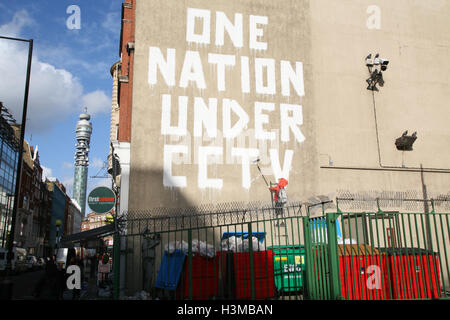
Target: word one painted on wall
(257,74)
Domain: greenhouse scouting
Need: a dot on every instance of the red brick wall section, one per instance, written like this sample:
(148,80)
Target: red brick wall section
(128,25)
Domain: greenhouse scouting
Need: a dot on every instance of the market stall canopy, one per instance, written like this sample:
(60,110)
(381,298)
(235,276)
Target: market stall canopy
(87,235)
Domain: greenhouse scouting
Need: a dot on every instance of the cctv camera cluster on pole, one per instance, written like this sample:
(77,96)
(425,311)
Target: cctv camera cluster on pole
(375,66)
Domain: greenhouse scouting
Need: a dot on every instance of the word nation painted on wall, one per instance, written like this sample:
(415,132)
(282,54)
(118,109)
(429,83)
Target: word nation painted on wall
(289,116)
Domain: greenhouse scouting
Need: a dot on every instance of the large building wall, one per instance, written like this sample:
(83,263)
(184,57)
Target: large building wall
(414,97)
(58,212)
(332,136)
(336,114)
(285,31)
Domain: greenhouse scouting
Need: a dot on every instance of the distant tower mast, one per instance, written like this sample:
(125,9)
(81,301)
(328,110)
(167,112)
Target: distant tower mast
(83,135)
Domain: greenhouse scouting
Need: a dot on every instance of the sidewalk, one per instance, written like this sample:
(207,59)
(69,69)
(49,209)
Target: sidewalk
(91,291)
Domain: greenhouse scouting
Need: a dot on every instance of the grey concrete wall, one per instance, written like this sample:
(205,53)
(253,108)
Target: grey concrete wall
(163,25)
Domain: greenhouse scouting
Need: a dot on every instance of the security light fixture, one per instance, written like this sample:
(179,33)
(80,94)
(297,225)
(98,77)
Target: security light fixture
(405,142)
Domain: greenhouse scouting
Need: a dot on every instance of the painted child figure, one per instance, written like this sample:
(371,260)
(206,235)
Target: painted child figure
(280,196)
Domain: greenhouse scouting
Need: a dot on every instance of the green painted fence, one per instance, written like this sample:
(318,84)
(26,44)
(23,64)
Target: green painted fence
(259,253)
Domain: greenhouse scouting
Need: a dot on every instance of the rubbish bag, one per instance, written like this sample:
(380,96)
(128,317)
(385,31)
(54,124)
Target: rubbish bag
(236,244)
(232,243)
(200,247)
(256,245)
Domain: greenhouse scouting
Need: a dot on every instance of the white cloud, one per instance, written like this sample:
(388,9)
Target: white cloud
(96,102)
(20,20)
(68,183)
(46,173)
(54,93)
(112,22)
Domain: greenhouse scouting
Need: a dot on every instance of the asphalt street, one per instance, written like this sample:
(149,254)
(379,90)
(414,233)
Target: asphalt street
(24,284)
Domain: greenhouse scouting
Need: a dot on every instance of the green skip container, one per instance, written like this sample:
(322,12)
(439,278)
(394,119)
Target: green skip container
(289,265)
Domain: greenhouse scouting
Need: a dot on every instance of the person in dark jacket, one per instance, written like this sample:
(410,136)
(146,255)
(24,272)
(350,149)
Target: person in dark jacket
(46,281)
(51,271)
(60,281)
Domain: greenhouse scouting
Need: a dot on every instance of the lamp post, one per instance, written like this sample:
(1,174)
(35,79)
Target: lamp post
(116,170)
(7,283)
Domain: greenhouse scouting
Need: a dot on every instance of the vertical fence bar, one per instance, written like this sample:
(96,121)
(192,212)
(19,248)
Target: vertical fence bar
(320,252)
(408,281)
(190,263)
(373,254)
(116,261)
(333,256)
(310,272)
(426,246)
(252,273)
(344,259)
(445,253)
(301,282)
(391,291)
(353,265)
(435,267)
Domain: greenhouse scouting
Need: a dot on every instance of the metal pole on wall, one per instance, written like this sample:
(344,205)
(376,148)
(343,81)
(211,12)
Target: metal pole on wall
(116,237)
(116,253)
(7,283)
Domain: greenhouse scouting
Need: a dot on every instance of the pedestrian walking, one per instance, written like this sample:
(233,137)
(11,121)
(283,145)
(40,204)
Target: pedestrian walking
(60,281)
(46,281)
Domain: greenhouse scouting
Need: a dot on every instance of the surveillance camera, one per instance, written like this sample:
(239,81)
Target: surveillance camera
(384,62)
(369,62)
(377,61)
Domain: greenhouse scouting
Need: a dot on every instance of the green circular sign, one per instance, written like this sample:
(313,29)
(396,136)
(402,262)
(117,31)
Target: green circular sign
(101,200)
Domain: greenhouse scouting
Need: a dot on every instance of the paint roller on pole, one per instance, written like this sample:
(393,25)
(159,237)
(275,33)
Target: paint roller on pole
(257,164)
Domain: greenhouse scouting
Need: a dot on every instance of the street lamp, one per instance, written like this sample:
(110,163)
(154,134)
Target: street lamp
(7,283)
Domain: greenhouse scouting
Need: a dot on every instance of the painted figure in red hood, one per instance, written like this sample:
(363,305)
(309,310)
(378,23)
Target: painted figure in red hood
(282,183)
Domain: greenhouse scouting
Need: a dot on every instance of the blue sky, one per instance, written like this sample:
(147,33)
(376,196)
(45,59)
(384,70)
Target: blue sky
(70,71)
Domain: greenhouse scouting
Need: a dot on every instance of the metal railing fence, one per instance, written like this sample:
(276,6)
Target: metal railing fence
(260,252)
(378,255)
(227,254)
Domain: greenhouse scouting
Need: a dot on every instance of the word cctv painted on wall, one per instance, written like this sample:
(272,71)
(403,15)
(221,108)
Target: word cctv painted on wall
(286,118)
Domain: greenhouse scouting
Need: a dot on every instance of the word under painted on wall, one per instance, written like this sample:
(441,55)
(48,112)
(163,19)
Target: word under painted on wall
(221,126)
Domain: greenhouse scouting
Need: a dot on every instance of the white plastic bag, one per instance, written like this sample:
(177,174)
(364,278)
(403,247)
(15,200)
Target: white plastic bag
(176,245)
(199,247)
(232,244)
(203,249)
(256,245)
(236,244)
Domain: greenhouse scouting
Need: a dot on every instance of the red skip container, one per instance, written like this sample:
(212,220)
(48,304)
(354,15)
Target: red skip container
(414,273)
(205,278)
(263,275)
(363,273)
